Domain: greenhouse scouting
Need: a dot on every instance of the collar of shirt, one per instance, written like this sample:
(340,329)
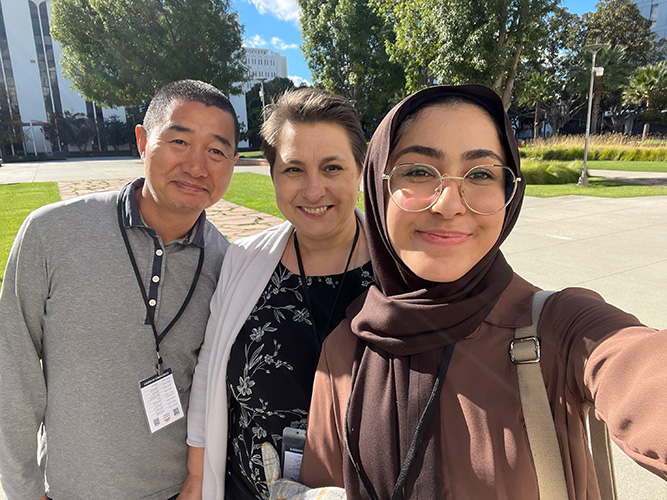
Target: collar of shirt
(132,215)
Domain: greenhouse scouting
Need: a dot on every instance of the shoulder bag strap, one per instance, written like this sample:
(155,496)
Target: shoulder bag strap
(525,353)
(602,458)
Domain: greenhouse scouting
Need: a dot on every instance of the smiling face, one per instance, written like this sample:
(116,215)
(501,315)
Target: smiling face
(443,243)
(316,179)
(188,159)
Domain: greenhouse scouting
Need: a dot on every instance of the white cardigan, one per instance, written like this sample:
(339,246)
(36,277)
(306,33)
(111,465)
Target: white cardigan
(246,269)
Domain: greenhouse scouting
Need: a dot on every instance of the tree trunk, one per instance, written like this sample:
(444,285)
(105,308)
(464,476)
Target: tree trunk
(536,120)
(509,82)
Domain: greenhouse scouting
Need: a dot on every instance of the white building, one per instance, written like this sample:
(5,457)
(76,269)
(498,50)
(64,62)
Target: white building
(656,11)
(263,64)
(31,75)
(33,80)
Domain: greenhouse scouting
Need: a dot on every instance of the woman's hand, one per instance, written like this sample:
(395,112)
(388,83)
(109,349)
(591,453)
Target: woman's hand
(192,487)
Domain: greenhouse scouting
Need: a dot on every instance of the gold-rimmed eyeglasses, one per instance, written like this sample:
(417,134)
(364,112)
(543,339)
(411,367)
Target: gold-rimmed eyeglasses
(484,189)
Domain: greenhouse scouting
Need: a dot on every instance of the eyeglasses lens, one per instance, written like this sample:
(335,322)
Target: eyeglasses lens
(484,189)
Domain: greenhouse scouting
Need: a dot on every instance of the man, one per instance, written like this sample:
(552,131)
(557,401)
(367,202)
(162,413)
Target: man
(103,310)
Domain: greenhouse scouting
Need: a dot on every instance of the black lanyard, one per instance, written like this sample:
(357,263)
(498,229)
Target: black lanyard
(397,493)
(340,286)
(161,336)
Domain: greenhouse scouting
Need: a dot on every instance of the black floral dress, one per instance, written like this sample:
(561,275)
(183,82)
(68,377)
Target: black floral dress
(272,365)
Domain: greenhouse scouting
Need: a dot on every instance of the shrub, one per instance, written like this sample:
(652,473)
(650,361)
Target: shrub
(550,172)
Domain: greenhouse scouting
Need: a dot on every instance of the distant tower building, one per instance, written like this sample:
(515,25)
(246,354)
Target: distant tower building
(31,75)
(265,64)
(656,11)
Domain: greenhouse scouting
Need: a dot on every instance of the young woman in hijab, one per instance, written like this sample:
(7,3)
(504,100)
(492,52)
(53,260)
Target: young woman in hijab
(279,295)
(443,191)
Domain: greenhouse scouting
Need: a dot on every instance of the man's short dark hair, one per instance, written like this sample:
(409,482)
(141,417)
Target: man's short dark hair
(188,90)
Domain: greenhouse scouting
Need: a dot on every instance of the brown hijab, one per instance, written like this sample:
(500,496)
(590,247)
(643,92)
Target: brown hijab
(406,322)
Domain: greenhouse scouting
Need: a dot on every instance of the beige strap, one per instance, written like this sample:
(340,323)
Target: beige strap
(602,458)
(525,353)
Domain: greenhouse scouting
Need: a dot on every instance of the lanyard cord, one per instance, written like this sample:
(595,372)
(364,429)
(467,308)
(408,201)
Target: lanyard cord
(340,286)
(397,493)
(137,274)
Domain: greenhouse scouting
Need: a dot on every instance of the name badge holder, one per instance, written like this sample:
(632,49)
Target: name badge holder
(159,394)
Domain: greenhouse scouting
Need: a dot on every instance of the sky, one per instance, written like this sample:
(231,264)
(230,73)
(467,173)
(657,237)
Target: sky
(274,24)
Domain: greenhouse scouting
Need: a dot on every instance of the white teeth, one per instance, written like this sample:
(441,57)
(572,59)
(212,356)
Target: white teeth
(313,211)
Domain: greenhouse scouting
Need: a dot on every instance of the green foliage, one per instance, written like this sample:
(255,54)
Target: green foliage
(569,153)
(10,124)
(118,132)
(545,172)
(414,43)
(620,23)
(71,128)
(344,43)
(647,88)
(119,52)
(603,188)
(272,89)
(16,202)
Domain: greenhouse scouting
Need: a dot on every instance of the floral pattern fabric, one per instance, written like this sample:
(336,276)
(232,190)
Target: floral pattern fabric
(272,365)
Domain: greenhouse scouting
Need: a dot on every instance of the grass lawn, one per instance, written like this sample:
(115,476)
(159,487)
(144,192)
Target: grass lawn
(253,191)
(16,202)
(251,154)
(598,186)
(628,166)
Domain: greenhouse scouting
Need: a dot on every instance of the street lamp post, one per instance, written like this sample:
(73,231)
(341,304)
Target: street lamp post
(593,48)
(261,94)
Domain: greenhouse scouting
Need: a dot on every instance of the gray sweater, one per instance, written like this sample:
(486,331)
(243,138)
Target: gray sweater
(70,302)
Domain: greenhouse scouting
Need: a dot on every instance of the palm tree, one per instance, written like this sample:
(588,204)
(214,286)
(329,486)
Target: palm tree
(537,88)
(646,87)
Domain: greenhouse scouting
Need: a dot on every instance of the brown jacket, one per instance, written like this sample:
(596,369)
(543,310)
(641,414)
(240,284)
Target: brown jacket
(591,352)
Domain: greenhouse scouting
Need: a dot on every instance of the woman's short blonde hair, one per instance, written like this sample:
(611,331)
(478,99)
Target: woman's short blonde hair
(308,105)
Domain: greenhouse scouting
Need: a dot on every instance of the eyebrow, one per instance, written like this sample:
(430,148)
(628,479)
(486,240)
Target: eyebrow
(182,128)
(473,154)
(422,150)
(476,154)
(323,160)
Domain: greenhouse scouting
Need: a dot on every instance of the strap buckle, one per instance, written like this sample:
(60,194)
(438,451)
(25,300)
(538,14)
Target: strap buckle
(525,350)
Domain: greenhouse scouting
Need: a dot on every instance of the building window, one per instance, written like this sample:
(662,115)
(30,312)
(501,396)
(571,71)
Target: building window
(45,58)
(654,14)
(6,72)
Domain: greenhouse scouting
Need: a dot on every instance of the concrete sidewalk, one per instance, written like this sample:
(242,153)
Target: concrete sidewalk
(617,247)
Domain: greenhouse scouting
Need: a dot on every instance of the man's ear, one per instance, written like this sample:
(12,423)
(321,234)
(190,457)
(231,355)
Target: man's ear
(141,134)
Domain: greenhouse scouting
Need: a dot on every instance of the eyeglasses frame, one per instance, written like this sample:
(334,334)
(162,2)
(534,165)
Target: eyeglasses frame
(515,182)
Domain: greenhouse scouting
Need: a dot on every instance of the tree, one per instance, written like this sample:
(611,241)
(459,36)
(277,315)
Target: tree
(272,89)
(118,132)
(648,89)
(538,88)
(11,131)
(619,23)
(119,52)
(344,44)
(414,43)
(458,41)
(71,128)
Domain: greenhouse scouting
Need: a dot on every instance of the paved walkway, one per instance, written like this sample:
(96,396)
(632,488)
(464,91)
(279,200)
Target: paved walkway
(617,247)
